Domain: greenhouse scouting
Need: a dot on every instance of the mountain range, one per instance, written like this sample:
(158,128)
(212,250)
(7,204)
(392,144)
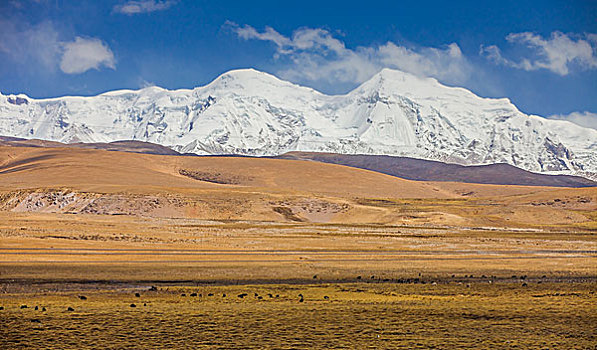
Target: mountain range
(247,112)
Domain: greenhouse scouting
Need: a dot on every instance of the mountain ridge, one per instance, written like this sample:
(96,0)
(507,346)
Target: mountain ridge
(248,112)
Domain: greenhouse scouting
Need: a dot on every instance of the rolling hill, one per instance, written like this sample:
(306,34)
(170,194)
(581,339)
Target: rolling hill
(99,182)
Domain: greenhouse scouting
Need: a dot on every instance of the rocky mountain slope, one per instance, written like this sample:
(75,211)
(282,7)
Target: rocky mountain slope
(248,112)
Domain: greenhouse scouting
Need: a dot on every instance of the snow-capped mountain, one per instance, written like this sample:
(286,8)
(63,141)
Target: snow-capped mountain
(253,113)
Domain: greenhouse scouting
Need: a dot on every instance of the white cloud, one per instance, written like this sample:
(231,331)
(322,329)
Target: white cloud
(315,54)
(248,32)
(39,47)
(586,119)
(143,6)
(84,54)
(557,53)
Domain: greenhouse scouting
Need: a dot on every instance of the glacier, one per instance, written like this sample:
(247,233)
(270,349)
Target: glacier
(248,112)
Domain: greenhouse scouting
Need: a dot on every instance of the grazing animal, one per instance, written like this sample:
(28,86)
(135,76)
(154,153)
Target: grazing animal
(36,308)
(210,294)
(326,297)
(70,309)
(183,295)
(133,305)
(260,297)
(256,294)
(301,298)
(277,295)
(242,295)
(23,306)
(372,277)
(224,295)
(82,297)
(359,277)
(43,308)
(35,320)
(144,304)
(1,307)
(137,295)
(193,294)
(315,277)
(270,295)
(153,289)
(524,284)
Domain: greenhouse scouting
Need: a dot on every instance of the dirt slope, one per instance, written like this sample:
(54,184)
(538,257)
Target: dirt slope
(84,181)
(25,167)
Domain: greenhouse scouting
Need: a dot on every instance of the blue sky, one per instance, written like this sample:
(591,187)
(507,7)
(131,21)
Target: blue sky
(540,54)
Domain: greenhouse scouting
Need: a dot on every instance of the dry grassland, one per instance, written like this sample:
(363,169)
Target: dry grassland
(380,262)
(355,316)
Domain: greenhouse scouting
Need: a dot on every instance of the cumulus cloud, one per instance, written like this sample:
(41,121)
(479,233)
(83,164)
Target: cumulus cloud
(557,53)
(84,54)
(133,7)
(315,54)
(586,119)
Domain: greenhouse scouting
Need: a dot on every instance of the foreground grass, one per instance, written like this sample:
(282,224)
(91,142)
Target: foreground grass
(354,315)
(433,287)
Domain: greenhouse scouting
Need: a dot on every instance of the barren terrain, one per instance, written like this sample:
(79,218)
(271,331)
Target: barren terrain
(381,262)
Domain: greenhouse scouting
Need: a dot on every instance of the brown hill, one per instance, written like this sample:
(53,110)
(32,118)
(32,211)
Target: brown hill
(427,170)
(88,181)
(123,146)
(24,167)
(403,167)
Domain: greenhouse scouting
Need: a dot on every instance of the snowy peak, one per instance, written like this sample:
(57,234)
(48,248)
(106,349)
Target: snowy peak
(254,113)
(390,82)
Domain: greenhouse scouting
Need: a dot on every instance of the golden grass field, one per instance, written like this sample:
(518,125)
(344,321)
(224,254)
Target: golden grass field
(403,264)
(354,316)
